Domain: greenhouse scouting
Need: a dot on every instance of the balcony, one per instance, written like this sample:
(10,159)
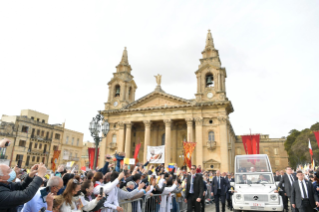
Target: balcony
(36,152)
(3,157)
(211,145)
(113,146)
(20,149)
(74,158)
(40,139)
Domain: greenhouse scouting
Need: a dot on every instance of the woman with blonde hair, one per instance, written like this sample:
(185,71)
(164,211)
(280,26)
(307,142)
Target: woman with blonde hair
(74,200)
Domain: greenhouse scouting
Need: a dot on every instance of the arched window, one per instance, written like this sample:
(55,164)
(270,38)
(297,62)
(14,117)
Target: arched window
(163,139)
(211,136)
(38,159)
(33,158)
(43,159)
(117,90)
(209,80)
(114,138)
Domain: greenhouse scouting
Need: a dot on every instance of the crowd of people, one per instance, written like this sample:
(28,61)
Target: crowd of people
(104,189)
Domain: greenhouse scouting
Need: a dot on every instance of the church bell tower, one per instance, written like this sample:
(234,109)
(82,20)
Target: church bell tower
(210,75)
(122,87)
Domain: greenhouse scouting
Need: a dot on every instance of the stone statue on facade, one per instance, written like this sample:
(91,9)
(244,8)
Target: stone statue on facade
(158,79)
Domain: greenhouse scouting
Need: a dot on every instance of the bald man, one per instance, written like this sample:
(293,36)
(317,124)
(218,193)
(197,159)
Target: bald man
(35,205)
(15,194)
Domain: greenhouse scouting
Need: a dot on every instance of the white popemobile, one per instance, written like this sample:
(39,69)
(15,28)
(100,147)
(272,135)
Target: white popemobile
(254,186)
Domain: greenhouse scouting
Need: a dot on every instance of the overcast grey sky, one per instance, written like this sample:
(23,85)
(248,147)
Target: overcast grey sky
(56,57)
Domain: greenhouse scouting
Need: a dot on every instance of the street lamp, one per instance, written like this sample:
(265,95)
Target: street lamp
(95,129)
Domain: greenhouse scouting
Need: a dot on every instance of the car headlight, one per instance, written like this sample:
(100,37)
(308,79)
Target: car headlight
(238,196)
(273,197)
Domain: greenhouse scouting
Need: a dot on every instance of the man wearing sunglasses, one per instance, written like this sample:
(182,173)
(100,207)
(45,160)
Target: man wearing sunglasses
(194,190)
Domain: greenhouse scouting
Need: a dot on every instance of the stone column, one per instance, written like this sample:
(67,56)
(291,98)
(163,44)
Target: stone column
(128,142)
(120,143)
(224,166)
(189,136)
(147,138)
(168,126)
(199,141)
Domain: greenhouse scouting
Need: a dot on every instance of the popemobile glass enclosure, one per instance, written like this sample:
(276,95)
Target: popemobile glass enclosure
(254,187)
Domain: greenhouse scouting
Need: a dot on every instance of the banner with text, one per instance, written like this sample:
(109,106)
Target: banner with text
(156,154)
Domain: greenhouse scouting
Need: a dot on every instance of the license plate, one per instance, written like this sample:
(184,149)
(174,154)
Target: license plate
(257,204)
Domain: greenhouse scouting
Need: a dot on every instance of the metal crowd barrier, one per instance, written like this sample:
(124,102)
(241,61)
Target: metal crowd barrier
(173,203)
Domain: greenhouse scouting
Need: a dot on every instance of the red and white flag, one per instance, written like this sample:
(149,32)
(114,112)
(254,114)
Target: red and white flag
(310,149)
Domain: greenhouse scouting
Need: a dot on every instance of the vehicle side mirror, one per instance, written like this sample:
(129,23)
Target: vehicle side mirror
(232,184)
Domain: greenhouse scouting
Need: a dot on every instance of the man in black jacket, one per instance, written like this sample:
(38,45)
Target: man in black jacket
(287,181)
(15,194)
(303,195)
(219,189)
(194,190)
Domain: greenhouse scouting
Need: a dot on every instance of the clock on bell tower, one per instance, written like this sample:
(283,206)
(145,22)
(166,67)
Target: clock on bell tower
(122,87)
(210,75)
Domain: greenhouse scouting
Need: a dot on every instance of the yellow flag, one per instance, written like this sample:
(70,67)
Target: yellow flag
(126,161)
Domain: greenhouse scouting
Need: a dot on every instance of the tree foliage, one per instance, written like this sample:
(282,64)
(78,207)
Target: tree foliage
(297,149)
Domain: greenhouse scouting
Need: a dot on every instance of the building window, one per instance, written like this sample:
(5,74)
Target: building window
(19,157)
(32,118)
(43,159)
(238,151)
(210,121)
(72,141)
(38,132)
(114,139)
(25,129)
(209,80)
(45,148)
(38,120)
(22,143)
(117,90)
(57,136)
(277,162)
(276,151)
(211,136)
(38,159)
(42,133)
(55,148)
(33,158)
(47,136)
(129,93)
(70,154)
(40,146)
(35,145)
(76,154)
(67,140)
(163,139)
(43,121)
(78,142)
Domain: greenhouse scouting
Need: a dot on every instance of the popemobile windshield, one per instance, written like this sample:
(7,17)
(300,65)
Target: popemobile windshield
(254,186)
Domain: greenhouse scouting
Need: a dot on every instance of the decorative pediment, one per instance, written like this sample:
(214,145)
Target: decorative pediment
(210,162)
(157,99)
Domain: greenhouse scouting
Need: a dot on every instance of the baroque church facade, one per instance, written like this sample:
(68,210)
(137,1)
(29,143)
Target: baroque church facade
(160,118)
